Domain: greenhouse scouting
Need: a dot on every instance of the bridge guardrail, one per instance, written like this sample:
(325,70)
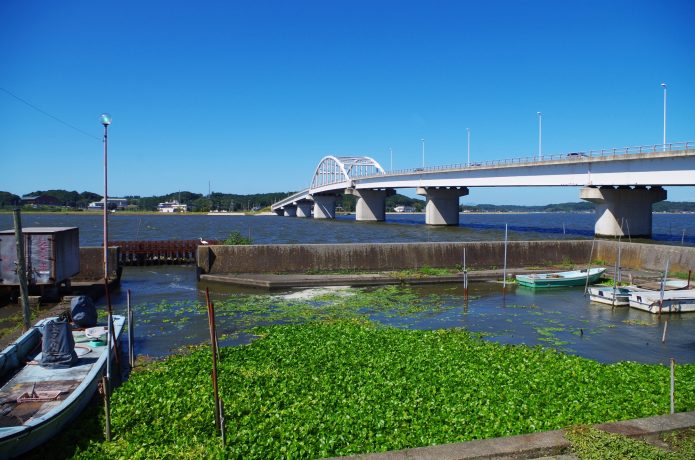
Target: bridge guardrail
(613,152)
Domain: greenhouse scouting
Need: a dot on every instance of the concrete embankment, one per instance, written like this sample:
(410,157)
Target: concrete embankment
(307,258)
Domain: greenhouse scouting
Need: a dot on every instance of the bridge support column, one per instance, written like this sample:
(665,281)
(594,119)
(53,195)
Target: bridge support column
(623,210)
(290,210)
(280,212)
(304,208)
(324,206)
(371,204)
(442,204)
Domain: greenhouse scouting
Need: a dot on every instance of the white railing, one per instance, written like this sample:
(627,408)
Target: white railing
(569,157)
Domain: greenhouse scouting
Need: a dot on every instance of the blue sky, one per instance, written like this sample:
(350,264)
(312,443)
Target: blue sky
(247,97)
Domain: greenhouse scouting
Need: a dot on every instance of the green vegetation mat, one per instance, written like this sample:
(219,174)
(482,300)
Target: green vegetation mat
(338,388)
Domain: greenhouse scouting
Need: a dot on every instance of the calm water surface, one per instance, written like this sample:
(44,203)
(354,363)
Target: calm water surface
(562,319)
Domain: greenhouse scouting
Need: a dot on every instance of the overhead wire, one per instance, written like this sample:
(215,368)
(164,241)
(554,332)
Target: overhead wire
(49,115)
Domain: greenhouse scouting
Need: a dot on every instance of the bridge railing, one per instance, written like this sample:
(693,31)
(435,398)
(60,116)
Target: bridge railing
(571,156)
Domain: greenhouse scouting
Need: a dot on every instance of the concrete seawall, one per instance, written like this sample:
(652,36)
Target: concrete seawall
(292,258)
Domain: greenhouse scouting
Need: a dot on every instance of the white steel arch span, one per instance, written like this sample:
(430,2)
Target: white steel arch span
(333,170)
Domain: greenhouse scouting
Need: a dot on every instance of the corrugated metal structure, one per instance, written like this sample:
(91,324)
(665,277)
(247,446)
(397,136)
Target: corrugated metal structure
(52,255)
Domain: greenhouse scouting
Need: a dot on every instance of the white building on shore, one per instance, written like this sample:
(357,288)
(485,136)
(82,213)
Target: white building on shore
(172,206)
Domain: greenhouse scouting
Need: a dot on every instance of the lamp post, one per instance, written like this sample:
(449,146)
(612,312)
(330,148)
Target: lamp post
(663,85)
(423,152)
(468,131)
(540,136)
(105,120)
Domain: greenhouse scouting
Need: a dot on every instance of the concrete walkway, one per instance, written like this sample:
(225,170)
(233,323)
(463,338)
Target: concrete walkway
(550,444)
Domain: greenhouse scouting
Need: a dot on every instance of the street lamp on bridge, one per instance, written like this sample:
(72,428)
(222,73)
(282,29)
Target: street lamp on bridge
(663,85)
(540,136)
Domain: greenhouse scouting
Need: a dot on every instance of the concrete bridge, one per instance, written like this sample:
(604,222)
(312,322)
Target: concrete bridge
(622,182)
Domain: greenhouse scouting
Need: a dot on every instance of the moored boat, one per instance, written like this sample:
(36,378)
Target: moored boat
(561,279)
(677,301)
(618,297)
(37,402)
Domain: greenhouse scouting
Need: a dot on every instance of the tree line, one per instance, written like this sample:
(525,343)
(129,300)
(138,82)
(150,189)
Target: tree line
(197,202)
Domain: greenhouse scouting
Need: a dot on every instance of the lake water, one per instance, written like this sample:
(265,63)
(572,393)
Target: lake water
(668,228)
(168,300)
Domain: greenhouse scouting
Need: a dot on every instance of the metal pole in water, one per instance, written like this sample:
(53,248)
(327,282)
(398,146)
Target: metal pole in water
(22,269)
(661,291)
(673,385)
(588,269)
(663,336)
(504,271)
(131,334)
(465,276)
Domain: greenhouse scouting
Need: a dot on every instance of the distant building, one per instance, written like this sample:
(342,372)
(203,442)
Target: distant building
(403,208)
(114,203)
(46,200)
(172,206)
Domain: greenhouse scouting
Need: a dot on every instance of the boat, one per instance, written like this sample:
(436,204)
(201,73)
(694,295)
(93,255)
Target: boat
(37,402)
(561,279)
(677,301)
(618,297)
(669,285)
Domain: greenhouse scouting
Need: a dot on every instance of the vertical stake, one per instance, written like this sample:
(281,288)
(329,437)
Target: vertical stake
(663,336)
(131,333)
(107,406)
(504,271)
(213,345)
(673,385)
(465,276)
(22,269)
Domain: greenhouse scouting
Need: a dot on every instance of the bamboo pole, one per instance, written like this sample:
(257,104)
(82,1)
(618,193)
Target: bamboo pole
(131,333)
(465,276)
(663,336)
(107,406)
(22,269)
(588,269)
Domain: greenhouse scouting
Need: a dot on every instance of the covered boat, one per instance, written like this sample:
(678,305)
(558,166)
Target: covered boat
(677,301)
(42,392)
(560,279)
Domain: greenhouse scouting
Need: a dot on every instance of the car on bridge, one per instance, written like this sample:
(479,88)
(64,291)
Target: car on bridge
(576,155)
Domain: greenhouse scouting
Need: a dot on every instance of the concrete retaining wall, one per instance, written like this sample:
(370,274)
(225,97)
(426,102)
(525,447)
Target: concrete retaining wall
(303,258)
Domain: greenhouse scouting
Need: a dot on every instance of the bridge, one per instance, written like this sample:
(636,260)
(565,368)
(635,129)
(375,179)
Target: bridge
(622,182)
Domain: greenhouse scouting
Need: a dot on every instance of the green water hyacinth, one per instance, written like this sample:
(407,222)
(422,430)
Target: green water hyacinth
(347,387)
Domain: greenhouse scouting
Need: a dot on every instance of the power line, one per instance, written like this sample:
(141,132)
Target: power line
(49,115)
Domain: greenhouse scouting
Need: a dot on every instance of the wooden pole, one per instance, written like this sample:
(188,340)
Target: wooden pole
(22,269)
(588,269)
(213,345)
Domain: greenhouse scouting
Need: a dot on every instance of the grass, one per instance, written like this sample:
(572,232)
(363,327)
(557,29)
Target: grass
(589,443)
(347,387)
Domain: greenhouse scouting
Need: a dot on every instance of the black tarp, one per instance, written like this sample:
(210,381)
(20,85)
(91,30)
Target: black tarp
(58,348)
(83,311)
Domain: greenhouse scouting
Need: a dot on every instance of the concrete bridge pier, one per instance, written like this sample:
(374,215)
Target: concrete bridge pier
(622,211)
(442,204)
(324,206)
(290,210)
(371,203)
(304,208)
(280,212)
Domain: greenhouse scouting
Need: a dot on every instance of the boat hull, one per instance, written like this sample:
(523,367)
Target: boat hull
(673,301)
(619,297)
(78,384)
(560,279)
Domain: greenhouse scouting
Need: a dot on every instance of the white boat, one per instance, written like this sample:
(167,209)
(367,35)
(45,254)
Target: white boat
(37,402)
(618,297)
(677,301)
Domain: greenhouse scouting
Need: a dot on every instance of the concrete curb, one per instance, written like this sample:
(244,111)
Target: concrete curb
(535,445)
